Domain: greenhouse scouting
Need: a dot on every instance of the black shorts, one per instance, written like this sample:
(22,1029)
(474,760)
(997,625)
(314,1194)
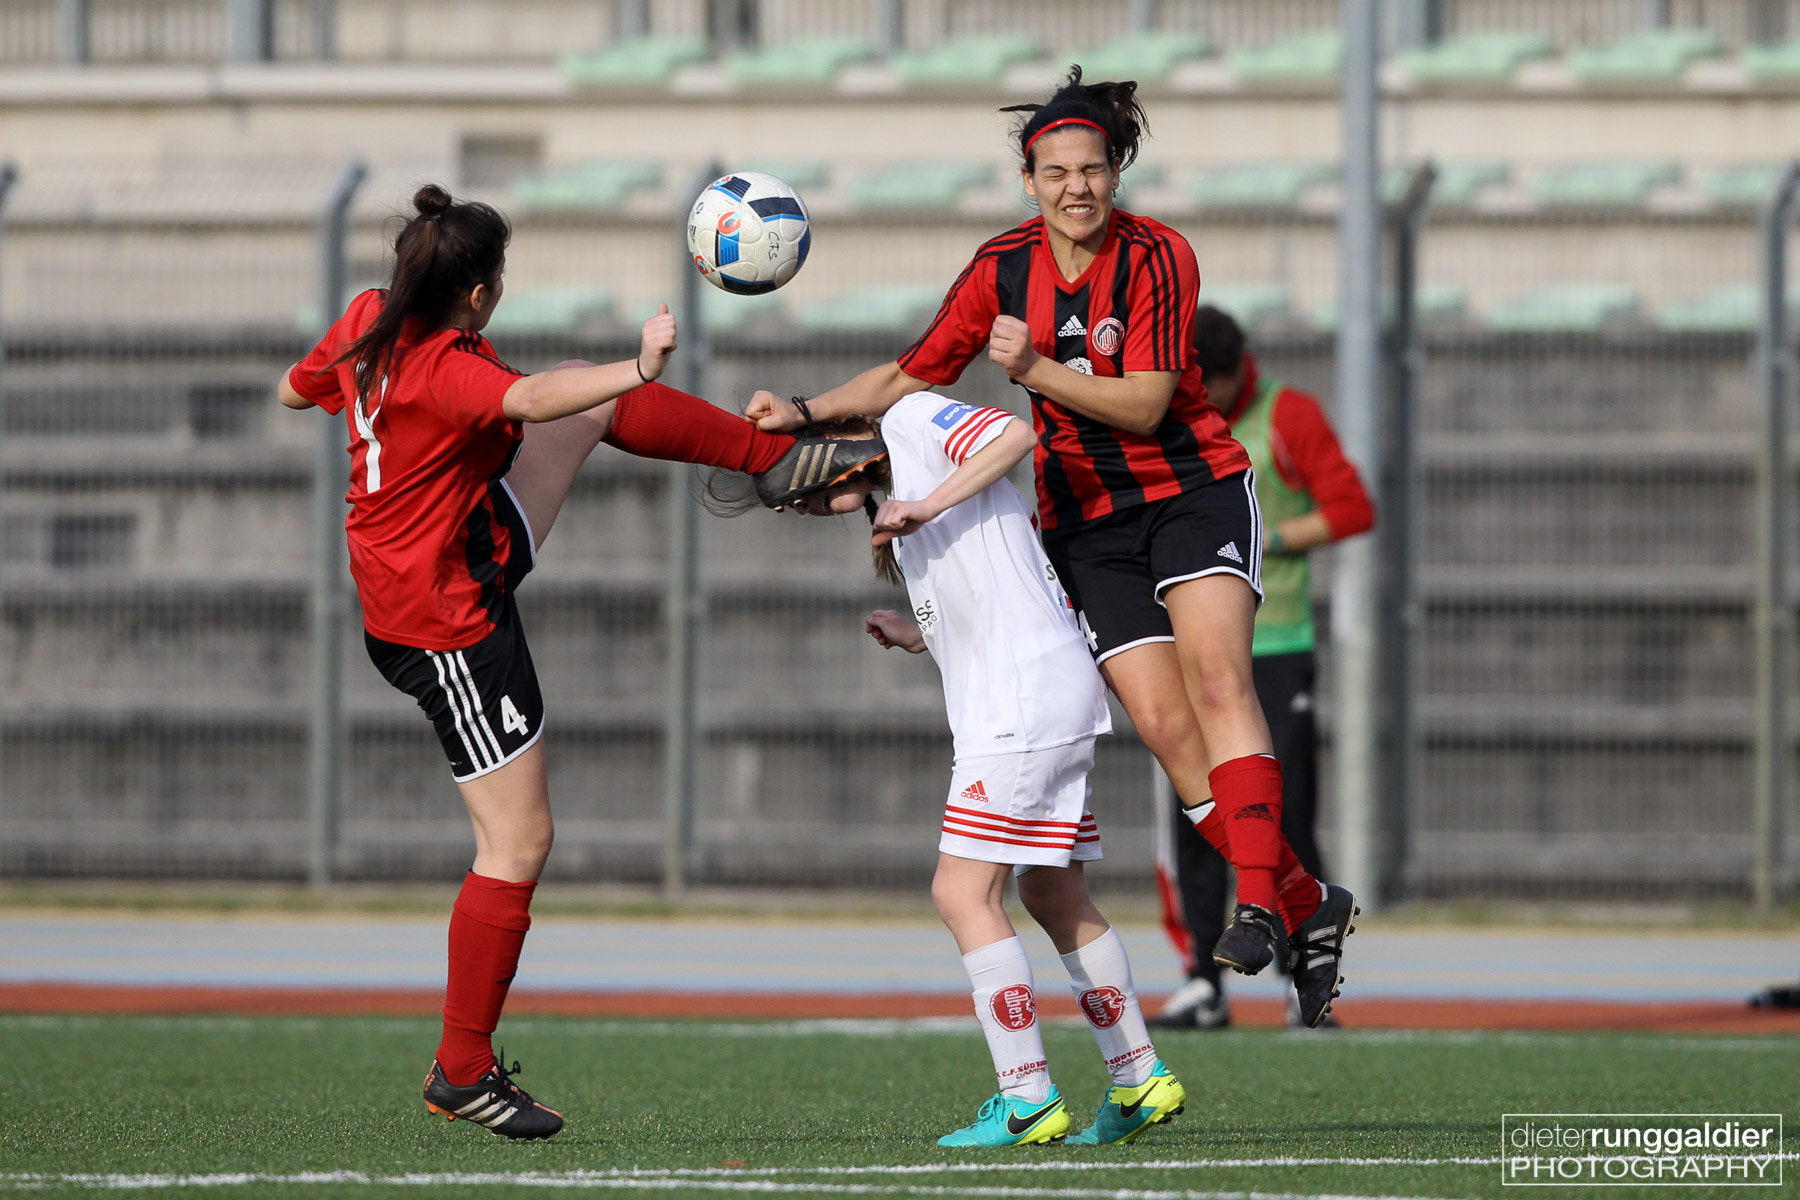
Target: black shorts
(1117,568)
(483,700)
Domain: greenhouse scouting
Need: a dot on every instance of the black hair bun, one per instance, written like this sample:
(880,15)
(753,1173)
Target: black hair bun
(431,200)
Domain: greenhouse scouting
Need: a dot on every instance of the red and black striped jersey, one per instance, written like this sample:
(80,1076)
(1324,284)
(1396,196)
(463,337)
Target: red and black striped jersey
(427,549)
(1131,310)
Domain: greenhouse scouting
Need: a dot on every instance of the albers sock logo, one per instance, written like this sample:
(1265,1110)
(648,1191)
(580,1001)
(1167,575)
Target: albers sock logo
(1103,1006)
(1258,811)
(1013,1007)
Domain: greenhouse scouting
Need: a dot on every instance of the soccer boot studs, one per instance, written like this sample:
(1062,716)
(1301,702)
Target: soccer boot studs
(1317,950)
(1006,1121)
(813,464)
(1126,1112)
(1251,941)
(495,1101)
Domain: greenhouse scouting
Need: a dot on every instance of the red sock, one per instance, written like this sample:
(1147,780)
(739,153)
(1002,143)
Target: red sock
(654,421)
(1248,792)
(1212,828)
(1296,891)
(487,929)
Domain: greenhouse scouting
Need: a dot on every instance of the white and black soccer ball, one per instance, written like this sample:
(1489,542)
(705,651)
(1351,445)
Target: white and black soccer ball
(748,233)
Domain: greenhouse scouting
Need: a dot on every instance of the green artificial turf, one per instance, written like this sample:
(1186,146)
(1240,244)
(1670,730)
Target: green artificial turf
(774,1107)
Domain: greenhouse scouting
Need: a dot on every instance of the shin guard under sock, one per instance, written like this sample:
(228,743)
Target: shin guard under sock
(1248,792)
(655,421)
(1006,1004)
(487,930)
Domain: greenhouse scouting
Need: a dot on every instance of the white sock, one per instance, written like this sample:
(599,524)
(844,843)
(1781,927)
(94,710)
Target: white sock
(1000,975)
(1100,976)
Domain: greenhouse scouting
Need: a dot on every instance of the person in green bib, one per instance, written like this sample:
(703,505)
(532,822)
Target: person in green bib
(1310,495)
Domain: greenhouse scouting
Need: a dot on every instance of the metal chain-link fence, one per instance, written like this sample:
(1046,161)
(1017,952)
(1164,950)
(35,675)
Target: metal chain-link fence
(1585,491)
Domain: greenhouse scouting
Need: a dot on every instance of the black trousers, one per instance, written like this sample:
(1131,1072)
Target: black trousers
(1284,685)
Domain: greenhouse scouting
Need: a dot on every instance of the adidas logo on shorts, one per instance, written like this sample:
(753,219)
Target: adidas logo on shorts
(1230,550)
(975,792)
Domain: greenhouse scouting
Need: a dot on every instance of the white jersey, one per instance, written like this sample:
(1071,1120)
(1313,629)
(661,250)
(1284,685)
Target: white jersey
(1017,671)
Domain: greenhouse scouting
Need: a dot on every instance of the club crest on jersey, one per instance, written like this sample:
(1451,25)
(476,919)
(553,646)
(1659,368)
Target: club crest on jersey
(1108,336)
(1103,1006)
(1013,1007)
(926,615)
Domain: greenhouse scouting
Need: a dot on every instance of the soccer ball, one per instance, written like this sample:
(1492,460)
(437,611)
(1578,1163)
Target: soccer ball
(748,233)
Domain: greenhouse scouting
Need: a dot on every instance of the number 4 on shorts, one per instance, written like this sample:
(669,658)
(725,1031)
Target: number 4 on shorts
(511,719)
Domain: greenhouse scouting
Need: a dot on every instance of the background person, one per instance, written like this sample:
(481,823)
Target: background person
(1310,495)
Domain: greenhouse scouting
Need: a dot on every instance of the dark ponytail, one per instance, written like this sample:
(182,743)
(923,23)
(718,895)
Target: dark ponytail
(1114,107)
(439,257)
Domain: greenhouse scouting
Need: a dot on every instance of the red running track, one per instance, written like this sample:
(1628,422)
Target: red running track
(1370,1013)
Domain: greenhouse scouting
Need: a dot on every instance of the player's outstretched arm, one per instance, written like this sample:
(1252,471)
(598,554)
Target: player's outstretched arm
(897,518)
(891,630)
(868,395)
(563,391)
(1136,403)
(284,391)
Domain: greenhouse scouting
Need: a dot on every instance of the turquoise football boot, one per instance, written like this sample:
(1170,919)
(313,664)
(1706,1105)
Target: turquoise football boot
(1128,1111)
(1004,1121)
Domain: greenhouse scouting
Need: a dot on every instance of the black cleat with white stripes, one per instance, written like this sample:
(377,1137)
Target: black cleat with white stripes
(495,1101)
(1251,941)
(813,464)
(1317,950)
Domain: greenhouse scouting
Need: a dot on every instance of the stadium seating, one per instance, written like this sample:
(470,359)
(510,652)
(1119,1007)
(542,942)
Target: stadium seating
(1257,185)
(1728,310)
(1775,63)
(900,309)
(1741,187)
(965,60)
(1252,304)
(563,310)
(1474,58)
(809,62)
(1305,57)
(918,185)
(1603,185)
(1456,186)
(800,174)
(1565,308)
(1651,55)
(638,63)
(1434,303)
(1144,57)
(585,186)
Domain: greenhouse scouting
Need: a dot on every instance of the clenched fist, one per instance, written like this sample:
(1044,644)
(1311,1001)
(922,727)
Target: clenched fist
(1009,344)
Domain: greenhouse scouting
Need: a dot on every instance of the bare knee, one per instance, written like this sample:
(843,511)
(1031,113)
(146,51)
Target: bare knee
(523,851)
(1220,688)
(1168,727)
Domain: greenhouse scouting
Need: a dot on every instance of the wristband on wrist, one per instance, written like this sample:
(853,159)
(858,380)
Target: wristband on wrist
(638,362)
(1277,544)
(805,412)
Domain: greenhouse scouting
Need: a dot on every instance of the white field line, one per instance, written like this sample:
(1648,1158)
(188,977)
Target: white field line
(770,1179)
(670,1185)
(869,1028)
(640,1181)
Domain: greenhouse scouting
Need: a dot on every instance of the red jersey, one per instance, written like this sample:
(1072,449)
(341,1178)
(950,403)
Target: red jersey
(427,450)
(1131,310)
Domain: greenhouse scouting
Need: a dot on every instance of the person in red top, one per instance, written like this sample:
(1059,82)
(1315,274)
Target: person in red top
(1309,494)
(1146,503)
(458,467)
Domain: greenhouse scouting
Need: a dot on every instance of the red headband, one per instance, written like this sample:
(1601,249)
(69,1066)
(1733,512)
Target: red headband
(1067,121)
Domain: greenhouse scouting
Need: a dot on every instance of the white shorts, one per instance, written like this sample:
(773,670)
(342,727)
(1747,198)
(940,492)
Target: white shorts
(1025,809)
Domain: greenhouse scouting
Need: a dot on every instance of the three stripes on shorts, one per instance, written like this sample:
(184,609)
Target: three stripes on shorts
(465,709)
